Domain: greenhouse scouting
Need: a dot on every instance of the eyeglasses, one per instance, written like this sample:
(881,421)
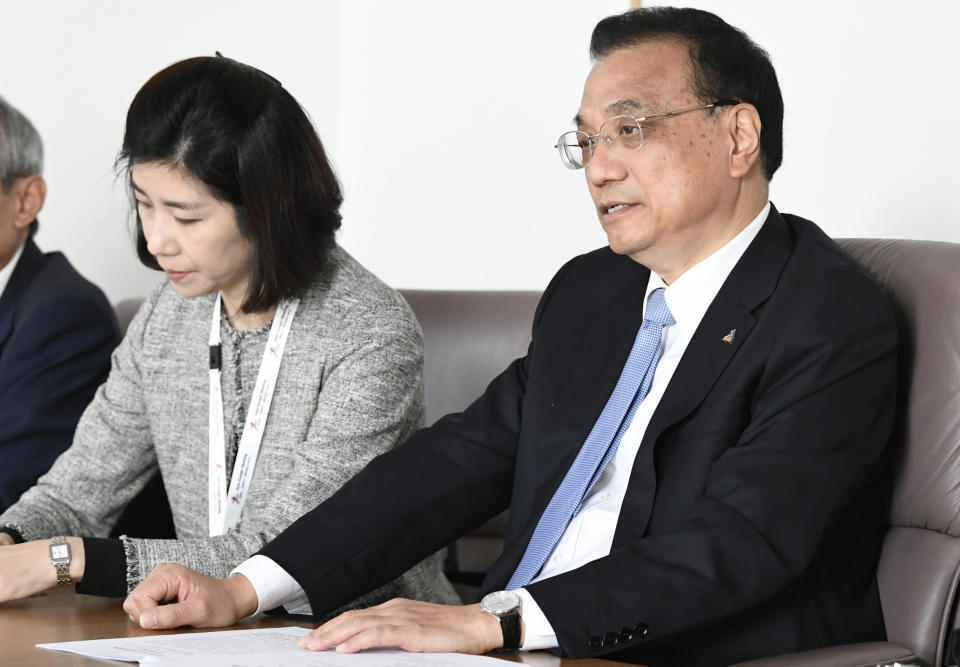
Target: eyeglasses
(625,131)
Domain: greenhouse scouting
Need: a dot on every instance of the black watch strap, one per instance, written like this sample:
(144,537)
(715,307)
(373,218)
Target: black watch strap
(510,627)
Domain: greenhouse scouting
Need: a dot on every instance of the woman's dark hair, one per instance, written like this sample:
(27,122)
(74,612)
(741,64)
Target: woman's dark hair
(240,133)
(726,64)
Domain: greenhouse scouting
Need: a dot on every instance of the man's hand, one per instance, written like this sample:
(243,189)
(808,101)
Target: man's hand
(420,627)
(174,595)
(25,569)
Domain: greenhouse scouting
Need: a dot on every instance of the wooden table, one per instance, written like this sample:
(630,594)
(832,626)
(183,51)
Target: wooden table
(60,615)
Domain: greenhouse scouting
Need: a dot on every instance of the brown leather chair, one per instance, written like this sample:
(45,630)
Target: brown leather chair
(469,337)
(919,566)
(125,310)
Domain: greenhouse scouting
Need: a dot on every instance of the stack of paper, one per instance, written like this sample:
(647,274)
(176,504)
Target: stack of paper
(274,647)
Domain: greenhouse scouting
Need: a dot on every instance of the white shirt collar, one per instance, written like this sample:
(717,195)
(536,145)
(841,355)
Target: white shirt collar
(7,271)
(692,293)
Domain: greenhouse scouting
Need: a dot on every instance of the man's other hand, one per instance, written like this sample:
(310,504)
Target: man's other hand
(174,595)
(420,627)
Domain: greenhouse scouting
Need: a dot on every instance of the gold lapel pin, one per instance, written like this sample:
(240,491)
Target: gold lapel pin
(728,339)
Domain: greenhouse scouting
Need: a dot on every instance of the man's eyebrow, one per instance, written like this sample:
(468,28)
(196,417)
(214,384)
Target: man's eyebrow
(627,106)
(186,206)
(618,107)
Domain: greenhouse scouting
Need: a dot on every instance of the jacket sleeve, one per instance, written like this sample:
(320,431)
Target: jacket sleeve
(408,503)
(110,460)
(57,355)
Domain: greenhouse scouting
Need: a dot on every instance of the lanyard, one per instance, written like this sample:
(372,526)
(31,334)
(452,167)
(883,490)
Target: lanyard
(226,504)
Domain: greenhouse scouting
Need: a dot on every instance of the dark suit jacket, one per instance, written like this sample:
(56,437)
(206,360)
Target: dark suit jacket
(57,331)
(755,510)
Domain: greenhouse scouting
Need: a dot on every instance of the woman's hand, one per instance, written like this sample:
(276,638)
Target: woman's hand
(25,569)
(5,539)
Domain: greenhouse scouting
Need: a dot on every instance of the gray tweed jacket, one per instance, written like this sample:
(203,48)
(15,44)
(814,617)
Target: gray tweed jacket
(350,387)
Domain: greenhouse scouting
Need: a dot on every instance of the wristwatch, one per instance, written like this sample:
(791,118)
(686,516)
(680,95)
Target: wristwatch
(505,606)
(60,557)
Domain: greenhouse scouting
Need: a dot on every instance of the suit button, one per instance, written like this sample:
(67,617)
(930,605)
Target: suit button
(626,634)
(641,629)
(595,643)
(611,639)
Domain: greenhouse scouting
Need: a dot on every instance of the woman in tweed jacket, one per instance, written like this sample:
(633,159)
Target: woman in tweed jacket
(235,201)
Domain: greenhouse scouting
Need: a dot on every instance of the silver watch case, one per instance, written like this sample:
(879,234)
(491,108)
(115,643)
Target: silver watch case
(60,558)
(500,603)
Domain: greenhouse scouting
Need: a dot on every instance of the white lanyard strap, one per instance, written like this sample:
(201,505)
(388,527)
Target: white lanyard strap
(226,504)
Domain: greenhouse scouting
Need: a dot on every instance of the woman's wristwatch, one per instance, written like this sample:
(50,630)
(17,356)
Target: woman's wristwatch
(60,557)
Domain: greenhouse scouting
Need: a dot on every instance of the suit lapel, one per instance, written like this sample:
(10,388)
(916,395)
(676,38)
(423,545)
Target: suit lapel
(703,361)
(752,281)
(27,267)
(591,378)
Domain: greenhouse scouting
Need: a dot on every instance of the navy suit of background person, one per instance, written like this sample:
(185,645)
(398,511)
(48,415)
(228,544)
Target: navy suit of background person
(755,508)
(57,331)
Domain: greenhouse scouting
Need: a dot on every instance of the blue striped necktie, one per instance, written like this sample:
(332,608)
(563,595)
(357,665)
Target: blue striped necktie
(601,444)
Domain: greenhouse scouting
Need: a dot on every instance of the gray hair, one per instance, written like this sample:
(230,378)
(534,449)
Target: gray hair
(21,149)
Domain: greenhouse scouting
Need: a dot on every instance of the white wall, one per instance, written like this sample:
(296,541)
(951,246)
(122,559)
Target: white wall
(441,116)
(448,116)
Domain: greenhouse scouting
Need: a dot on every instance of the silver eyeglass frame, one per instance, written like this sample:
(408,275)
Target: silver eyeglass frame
(594,139)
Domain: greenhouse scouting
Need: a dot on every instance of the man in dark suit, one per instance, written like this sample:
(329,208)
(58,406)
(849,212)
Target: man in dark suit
(693,449)
(57,330)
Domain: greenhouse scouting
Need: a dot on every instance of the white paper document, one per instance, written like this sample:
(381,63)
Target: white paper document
(273,647)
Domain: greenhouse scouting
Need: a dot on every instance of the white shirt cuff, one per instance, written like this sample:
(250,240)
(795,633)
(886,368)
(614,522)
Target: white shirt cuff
(537,632)
(274,587)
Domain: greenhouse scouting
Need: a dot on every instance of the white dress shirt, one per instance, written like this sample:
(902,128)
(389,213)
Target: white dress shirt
(7,270)
(590,533)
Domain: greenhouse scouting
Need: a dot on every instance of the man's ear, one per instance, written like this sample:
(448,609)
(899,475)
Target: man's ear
(31,192)
(744,127)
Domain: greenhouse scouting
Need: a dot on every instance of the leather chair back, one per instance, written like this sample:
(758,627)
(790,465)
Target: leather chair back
(125,310)
(920,562)
(469,337)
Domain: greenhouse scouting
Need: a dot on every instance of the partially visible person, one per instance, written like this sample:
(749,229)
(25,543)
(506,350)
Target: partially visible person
(265,371)
(57,329)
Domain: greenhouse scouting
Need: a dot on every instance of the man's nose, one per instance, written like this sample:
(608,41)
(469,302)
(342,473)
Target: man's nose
(605,165)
